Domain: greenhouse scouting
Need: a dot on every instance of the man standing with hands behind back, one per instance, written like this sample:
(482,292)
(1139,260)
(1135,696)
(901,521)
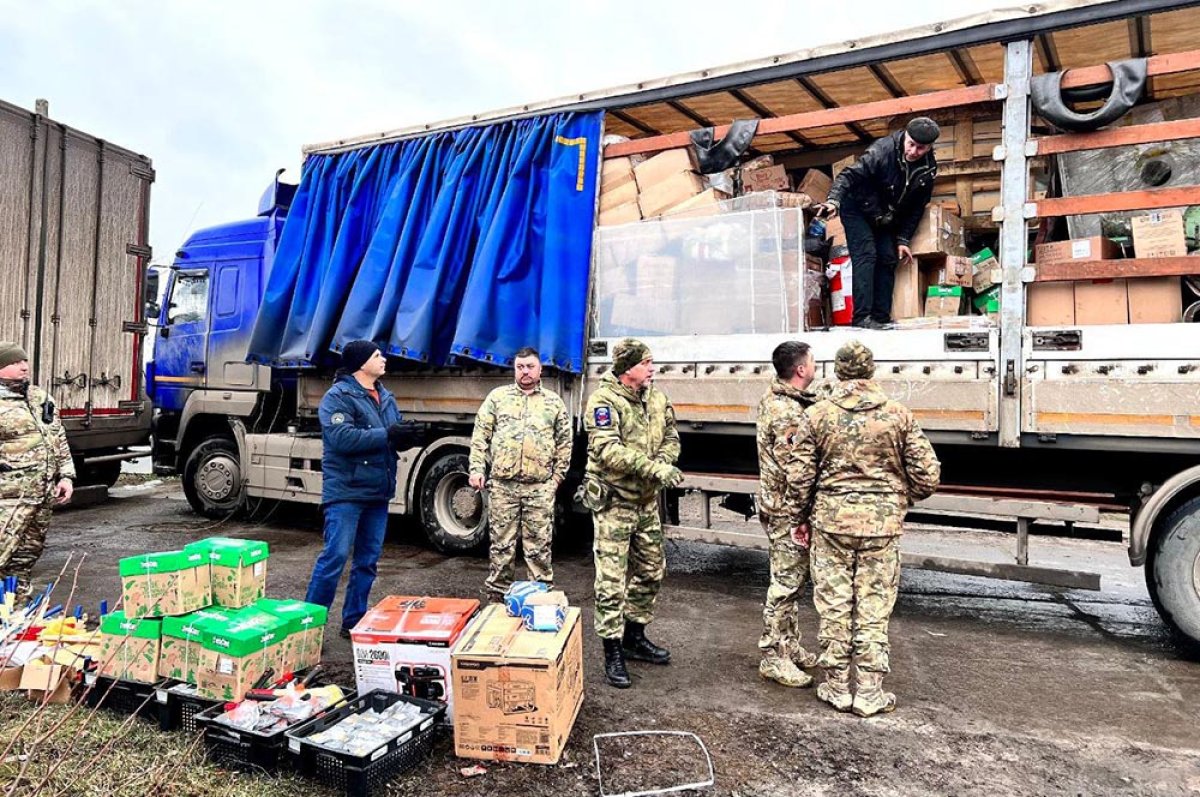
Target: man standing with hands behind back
(520,451)
(881,199)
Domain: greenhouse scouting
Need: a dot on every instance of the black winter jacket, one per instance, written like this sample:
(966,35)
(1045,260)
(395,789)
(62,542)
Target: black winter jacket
(882,184)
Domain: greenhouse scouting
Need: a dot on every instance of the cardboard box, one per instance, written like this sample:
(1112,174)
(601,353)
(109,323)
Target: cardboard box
(939,233)
(10,679)
(180,652)
(305,631)
(703,204)
(236,652)
(1095,248)
(1101,302)
(662,166)
(518,692)
(816,185)
(130,648)
(986,271)
(1050,304)
(943,300)
(39,678)
(842,165)
(988,302)
(403,645)
(628,213)
(165,583)
(1159,234)
(908,293)
(771,178)
(954,270)
(1155,300)
(618,196)
(835,233)
(660,197)
(239,569)
(615,173)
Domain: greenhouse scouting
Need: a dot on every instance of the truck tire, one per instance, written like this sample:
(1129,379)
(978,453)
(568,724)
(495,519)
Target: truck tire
(105,473)
(452,514)
(1173,573)
(212,478)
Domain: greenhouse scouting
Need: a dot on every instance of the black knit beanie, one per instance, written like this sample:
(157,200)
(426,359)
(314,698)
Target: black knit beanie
(356,353)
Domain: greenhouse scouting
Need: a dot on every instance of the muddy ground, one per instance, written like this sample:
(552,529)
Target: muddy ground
(1004,688)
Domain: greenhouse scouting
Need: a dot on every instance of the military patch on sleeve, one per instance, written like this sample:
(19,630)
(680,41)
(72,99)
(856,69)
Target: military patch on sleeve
(603,417)
(337,417)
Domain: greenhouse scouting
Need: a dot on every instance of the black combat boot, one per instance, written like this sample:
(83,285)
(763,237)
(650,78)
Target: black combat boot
(639,648)
(614,665)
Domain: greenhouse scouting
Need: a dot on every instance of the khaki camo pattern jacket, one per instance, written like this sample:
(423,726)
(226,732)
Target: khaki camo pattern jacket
(33,444)
(627,432)
(523,438)
(865,462)
(780,416)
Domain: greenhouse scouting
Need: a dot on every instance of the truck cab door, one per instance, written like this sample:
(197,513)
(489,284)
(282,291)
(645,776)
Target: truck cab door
(180,362)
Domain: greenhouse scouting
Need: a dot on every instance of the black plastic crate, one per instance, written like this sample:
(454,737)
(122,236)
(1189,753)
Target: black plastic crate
(249,751)
(120,696)
(178,711)
(360,775)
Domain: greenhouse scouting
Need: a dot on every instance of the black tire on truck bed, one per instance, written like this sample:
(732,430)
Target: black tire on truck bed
(1173,573)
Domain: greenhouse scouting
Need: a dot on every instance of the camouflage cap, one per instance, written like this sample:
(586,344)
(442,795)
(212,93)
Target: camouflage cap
(854,361)
(11,352)
(627,353)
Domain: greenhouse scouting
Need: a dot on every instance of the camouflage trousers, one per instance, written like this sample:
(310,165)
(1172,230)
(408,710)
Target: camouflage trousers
(854,589)
(519,512)
(630,565)
(23,527)
(789,569)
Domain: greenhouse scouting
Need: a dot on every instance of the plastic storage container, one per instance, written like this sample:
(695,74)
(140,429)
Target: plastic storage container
(121,697)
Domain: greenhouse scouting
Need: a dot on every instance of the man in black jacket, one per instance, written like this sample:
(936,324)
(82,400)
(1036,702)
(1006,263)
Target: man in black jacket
(881,199)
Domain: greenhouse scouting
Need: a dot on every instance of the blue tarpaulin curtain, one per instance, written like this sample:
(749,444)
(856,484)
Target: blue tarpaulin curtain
(469,243)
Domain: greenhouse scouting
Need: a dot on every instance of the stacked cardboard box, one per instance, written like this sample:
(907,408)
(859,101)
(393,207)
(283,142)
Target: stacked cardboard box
(618,193)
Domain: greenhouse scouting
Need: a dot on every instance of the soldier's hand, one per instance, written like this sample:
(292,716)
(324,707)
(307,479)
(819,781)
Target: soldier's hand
(478,481)
(801,535)
(667,475)
(63,491)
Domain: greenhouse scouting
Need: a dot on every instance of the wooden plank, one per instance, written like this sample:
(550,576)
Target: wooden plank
(1167,64)
(1119,137)
(1124,200)
(830,116)
(1070,270)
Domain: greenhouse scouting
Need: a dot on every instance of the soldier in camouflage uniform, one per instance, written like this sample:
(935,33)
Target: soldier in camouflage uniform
(632,448)
(780,414)
(520,451)
(36,470)
(865,461)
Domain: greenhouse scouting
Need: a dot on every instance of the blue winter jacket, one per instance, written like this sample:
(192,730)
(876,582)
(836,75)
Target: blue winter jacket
(357,463)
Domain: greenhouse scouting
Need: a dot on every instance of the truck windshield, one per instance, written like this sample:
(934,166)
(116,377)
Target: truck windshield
(189,298)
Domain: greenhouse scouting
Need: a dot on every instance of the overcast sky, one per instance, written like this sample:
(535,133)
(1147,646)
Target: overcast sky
(220,94)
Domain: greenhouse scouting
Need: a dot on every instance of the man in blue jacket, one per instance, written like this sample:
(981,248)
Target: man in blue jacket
(360,434)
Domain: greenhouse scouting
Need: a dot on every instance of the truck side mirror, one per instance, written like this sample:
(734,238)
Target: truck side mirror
(150,282)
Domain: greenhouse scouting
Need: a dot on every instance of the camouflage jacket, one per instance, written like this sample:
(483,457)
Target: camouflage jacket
(627,431)
(521,438)
(33,450)
(864,461)
(780,414)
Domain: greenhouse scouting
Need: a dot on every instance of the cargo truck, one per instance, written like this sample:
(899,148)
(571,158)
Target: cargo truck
(452,245)
(74,241)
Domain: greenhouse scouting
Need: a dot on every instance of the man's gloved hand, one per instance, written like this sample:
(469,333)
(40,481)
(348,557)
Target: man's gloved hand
(407,434)
(666,475)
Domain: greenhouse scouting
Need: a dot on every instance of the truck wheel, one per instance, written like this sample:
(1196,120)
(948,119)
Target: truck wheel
(451,512)
(212,478)
(1173,573)
(105,473)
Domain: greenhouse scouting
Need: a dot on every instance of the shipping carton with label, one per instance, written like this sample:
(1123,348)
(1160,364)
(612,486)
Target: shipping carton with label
(239,569)
(305,630)
(181,654)
(165,583)
(129,647)
(237,651)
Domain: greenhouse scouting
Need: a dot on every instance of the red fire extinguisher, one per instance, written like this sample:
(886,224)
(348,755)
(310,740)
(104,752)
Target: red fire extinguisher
(841,288)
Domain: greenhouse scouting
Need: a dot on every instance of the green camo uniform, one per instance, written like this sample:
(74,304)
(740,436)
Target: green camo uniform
(34,456)
(523,444)
(780,415)
(631,438)
(865,461)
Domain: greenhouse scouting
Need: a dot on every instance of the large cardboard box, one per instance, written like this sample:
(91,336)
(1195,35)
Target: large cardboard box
(305,631)
(618,196)
(987,271)
(771,178)
(237,651)
(1101,302)
(1159,234)
(1155,300)
(1095,248)
(1050,304)
(816,185)
(943,300)
(518,692)
(954,270)
(403,645)
(843,164)
(180,653)
(239,569)
(908,294)
(129,648)
(628,213)
(39,678)
(703,204)
(660,197)
(165,583)
(615,173)
(939,233)
(662,166)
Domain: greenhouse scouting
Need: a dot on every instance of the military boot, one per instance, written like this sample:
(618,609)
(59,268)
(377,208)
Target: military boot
(869,697)
(614,665)
(804,659)
(783,670)
(638,648)
(835,689)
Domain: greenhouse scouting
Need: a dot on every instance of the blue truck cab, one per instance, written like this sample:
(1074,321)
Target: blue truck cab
(198,371)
